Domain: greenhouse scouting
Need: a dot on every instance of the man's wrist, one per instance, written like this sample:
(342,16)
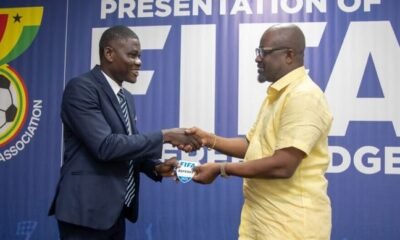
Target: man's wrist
(212,142)
(222,170)
(165,136)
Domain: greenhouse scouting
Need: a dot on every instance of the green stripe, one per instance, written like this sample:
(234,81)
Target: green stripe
(20,97)
(27,36)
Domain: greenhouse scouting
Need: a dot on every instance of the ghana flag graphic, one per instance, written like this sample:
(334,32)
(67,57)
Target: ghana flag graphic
(18,28)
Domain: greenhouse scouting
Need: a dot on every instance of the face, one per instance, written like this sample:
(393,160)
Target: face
(125,60)
(270,60)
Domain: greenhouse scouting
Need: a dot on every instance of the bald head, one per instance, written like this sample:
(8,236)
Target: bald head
(282,51)
(287,35)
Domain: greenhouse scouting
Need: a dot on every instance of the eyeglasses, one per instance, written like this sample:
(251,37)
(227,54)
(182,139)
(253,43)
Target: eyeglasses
(263,52)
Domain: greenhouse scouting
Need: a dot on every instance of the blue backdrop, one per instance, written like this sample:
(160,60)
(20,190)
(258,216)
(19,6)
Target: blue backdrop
(198,69)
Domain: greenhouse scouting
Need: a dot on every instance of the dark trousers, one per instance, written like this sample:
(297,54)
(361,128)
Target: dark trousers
(74,232)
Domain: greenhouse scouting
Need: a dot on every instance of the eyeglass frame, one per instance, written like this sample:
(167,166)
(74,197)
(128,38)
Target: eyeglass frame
(263,52)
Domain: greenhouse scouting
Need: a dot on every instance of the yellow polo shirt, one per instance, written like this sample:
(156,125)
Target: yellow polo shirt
(294,114)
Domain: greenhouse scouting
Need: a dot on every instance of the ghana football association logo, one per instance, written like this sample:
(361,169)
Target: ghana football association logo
(18,29)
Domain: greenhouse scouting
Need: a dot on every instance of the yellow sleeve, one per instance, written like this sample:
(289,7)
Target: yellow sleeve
(304,119)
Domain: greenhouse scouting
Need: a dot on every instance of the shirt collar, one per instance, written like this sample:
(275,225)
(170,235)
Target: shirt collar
(114,86)
(286,80)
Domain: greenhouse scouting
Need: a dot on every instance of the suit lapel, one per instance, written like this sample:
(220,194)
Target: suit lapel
(110,94)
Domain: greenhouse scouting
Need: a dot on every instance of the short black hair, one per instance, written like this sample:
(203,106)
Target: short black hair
(115,33)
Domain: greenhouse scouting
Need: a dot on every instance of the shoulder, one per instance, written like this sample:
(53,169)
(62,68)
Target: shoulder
(81,88)
(85,82)
(307,86)
(81,80)
(309,97)
(306,90)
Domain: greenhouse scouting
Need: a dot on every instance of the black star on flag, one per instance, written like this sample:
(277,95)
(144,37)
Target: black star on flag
(17,18)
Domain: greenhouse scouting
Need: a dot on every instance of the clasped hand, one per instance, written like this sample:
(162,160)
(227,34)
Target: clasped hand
(184,141)
(167,168)
(206,173)
(188,140)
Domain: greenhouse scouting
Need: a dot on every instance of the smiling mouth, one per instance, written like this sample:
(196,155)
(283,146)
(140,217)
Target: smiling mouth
(135,72)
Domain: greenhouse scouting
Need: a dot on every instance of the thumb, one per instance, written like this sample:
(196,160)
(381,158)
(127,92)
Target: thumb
(190,131)
(196,169)
(172,159)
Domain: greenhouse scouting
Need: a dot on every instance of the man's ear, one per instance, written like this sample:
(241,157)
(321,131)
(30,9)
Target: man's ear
(108,54)
(290,56)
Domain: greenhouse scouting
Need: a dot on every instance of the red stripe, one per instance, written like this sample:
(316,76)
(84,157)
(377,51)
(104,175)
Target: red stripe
(3,24)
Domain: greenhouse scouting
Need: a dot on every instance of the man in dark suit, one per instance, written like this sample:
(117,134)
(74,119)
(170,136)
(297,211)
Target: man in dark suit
(103,150)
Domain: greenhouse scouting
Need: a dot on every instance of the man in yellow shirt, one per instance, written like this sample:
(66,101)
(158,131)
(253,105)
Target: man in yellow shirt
(285,152)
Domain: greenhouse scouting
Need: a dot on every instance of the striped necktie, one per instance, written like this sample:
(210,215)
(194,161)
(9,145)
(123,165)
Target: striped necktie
(130,190)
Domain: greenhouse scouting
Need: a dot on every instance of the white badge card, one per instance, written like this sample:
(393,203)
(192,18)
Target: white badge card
(185,171)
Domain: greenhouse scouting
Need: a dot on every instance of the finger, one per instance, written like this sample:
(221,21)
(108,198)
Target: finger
(197,141)
(170,161)
(169,173)
(204,142)
(200,141)
(188,148)
(169,167)
(194,147)
(195,177)
(181,147)
(192,141)
(190,131)
(174,165)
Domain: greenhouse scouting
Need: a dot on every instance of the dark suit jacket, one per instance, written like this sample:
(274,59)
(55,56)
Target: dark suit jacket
(97,151)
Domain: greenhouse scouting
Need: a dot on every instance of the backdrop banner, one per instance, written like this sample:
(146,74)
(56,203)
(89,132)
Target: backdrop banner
(199,70)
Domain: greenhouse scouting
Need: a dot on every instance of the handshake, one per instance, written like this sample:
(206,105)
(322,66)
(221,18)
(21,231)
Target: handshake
(188,140)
